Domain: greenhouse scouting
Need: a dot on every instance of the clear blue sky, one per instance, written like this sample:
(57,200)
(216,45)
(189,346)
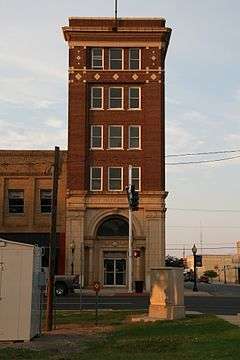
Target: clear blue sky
(203,98)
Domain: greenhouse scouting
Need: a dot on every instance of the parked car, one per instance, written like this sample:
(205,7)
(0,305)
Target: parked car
(204,279)
(188,275)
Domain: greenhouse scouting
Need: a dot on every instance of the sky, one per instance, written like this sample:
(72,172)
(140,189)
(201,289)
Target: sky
(202,102)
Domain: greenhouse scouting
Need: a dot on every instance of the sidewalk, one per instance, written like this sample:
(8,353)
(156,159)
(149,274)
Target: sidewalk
(124,292)
(232,319)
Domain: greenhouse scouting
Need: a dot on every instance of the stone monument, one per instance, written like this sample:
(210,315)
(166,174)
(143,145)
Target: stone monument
(167,294)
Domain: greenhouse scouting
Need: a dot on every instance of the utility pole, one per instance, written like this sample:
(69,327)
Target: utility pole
(53,240)
(130,289)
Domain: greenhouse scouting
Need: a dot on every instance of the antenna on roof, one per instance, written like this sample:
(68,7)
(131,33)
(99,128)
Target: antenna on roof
(116,10)
(116,16)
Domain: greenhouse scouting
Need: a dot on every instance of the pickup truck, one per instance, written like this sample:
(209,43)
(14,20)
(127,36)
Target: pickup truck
(65,284)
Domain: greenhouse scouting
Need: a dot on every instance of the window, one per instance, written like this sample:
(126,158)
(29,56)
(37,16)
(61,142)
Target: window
(134,140)
(115,178)
(115,98)
(97,58)
(134,59)
(96,137)
(136,178)
(46,200)
(114,226)
(116,59)
(134,98)
(96,179)
(97,98)
(115,137)
(15,201)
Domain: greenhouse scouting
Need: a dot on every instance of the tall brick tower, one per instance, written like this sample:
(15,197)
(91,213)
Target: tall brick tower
(116,119)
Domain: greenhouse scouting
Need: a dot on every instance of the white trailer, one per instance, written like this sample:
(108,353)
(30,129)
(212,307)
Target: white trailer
(20,292)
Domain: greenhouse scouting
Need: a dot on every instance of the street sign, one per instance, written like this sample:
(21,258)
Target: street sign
(96,286)
(199,260)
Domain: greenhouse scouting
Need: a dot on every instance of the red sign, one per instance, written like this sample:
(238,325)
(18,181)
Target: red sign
(97,286)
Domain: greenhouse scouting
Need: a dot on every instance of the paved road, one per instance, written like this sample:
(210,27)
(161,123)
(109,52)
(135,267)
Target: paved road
(206,304)
(217,289)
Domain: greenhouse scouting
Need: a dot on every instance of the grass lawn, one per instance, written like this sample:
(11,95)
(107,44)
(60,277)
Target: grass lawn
(194,338)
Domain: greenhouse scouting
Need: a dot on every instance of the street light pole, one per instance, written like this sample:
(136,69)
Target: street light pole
(72,247)
(194,251)
(130,233)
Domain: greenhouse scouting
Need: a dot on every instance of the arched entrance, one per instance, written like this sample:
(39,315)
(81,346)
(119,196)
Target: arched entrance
(111,245)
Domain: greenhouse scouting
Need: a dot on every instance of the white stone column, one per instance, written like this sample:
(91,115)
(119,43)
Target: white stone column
(90,265)
(155,242)
(75,234)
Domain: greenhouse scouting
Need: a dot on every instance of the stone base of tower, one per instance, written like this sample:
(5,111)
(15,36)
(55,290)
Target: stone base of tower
(96,255)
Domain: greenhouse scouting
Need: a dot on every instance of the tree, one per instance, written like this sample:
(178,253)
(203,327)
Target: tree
(212,274)
(173,261)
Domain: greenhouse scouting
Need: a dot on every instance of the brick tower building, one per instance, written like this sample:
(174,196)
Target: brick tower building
(116,119)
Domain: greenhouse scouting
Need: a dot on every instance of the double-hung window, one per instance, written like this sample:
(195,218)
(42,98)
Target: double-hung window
(116,98)
(116,59)
(134,59)
(97,58)
(16,201)
(46,200)
(134,100)
(134,137)
(136,178)
(115,137)
(115,178)
(96,178)
(96,98)
(96,137)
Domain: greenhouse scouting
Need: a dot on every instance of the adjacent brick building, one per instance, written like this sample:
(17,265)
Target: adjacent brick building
(25,200)
(116,119)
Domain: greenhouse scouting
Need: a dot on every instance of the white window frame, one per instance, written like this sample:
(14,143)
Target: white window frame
(91,139)
(96,87)
(97,67)
(115,167)
(91,178)
(22,191)
(109,65)
(139,59)
(139,137)
(139,180)
(109,90)
(122,137)
(140,98)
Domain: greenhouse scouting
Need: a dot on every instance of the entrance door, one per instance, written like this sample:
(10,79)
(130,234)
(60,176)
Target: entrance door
(115,272)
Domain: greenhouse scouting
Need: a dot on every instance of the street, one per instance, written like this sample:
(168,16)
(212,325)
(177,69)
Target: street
(225,300)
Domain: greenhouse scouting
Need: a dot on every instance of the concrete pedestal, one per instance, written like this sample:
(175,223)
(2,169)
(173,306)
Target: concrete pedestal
(167,294)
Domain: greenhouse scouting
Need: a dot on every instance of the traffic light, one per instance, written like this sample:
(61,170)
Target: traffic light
(133,198)
(136,253)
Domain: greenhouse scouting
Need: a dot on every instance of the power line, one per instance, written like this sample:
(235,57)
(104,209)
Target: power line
(205,227)
(203,161)
(205,248)
(203,153)
(205,210)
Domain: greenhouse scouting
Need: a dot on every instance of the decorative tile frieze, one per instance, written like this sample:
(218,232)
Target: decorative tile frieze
(78,76)
(115,76)
(135,76)
(97,76)
(153,77)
